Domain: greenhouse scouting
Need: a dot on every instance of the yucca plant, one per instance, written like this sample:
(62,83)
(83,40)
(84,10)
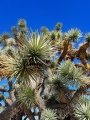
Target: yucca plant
(16,67)
(39,50)
(15,31)
(44,30)
(5,35)
(58,83)
(48,114)
(87,37)
(58,26)
(41,74)
(26,96)
(73,35)
(82,109)
(55,35)
(69,73)
(22,23)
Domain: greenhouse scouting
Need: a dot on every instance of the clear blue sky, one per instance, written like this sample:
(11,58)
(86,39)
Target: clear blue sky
(72,13)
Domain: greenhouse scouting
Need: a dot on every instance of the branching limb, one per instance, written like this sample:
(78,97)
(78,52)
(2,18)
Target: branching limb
(66,43)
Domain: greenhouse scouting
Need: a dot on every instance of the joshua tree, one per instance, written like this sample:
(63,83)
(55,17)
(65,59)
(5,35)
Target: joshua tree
(44,68)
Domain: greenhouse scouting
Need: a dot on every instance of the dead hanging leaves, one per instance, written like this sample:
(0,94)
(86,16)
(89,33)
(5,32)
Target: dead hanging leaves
(5,68)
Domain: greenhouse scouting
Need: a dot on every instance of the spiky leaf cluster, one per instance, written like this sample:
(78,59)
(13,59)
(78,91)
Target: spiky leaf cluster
(55,36)
(44,30)
(58,84)
(48,114)
(69,73)
(82,109)
(15,30)
(73,35)
(21,69)
(22,25)
(16,67)
(5,35)
(39,50)
(26,96)
(58,26)
(87,37)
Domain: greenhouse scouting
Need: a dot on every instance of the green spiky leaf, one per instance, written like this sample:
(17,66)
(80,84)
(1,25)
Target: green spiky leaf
(73,35)
(44,30)
(87,37)
(48,114)
(5,35)
(69,73)
(58,84)
(82,109)
(58,26)
(26,96)
(21,23)
(14,29)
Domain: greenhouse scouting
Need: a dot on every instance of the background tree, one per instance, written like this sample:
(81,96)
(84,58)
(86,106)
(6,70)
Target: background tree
(45,71)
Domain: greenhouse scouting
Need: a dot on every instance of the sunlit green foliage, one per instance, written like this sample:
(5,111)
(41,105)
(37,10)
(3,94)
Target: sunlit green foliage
(48,114)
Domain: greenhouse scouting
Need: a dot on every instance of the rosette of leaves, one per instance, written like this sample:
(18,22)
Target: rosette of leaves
(22,25)
(15,31)
(39,49)
(17,67)
(82,109)
(44,30)
(87,37)
(22,69)
(48,114)
(4,38)
(26,96)
(58,26)
(73,35)
(58,84)
(5,35)
(69,73)
(55,35)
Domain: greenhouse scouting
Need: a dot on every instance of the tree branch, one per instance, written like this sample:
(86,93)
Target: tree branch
(9,112)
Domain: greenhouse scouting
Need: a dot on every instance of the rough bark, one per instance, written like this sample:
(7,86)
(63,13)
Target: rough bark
(9,112)
(66,43)
(29,114)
